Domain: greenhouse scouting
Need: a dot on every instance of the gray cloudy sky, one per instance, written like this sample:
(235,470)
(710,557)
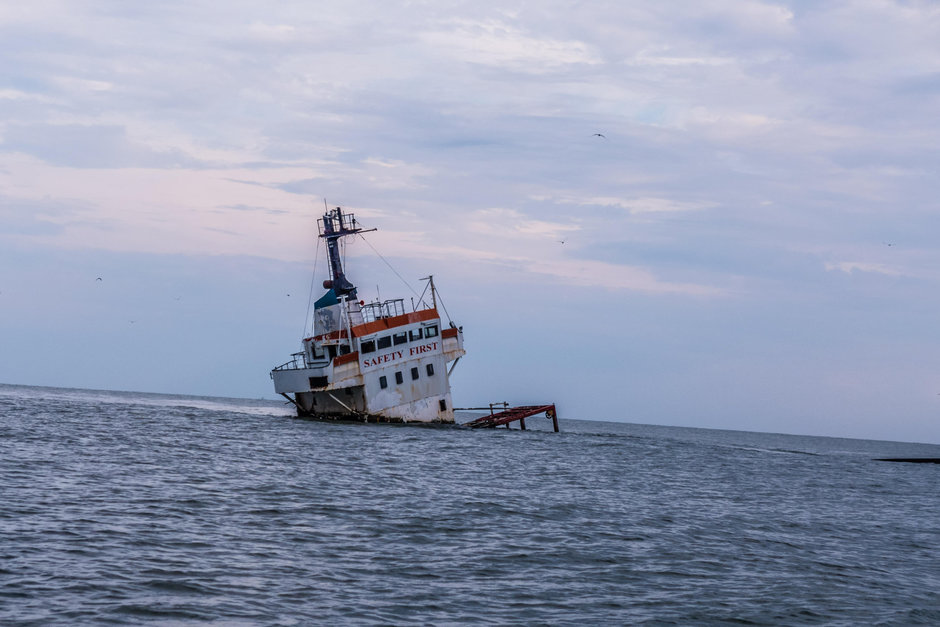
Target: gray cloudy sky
(751,245)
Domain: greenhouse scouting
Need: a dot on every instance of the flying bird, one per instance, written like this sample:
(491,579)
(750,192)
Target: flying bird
(98,279)
(599,135)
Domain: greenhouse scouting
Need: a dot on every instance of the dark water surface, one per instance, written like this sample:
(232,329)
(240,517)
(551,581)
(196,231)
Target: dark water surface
(120,508)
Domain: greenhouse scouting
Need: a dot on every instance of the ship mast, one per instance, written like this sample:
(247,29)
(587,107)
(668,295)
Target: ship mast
(335,225)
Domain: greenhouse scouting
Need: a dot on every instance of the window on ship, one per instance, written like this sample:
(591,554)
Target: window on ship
(399,378)
(414,373)
(344,349)
(431,331)
(385,342)
(331,350)
(415,334)
(367,347)
(430,369)
(400,338)
(383,382)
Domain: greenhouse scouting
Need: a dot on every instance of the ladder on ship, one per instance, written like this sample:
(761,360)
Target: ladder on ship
(509,415)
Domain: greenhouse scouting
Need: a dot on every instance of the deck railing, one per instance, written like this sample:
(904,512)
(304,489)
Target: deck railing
(377,311)
(296,363)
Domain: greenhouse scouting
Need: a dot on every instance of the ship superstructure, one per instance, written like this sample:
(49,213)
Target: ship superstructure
(378,361)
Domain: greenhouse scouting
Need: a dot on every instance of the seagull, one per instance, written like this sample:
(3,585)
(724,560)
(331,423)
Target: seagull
(98,279)
(598,135)
(561,241)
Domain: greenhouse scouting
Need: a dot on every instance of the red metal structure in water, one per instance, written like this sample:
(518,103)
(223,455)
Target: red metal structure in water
(512,414)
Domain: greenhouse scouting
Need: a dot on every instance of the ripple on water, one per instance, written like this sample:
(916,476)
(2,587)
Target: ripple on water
(138,509)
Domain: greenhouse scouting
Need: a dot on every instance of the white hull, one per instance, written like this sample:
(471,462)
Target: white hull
(404,382)
(370,361)
(425,410)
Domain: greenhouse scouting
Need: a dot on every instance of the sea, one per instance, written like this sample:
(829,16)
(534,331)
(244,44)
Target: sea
(122,508)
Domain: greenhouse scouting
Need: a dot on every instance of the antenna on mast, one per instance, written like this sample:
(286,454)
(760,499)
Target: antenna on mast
(335,225)
(430,280)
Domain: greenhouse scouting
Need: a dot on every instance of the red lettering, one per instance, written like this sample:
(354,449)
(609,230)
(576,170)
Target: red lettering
(384,359)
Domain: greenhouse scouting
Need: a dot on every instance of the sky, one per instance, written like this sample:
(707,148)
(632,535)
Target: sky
(716,214)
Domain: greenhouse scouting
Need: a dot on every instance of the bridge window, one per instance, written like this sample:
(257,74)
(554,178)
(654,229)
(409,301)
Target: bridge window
(399,378)
(367,347)
(385,342)
(400,338)
(383,382)
(431,331)
(430,369)
(415,334)
(414,373)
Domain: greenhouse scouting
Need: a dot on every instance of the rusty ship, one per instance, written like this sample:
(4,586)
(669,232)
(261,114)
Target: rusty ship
(380,361)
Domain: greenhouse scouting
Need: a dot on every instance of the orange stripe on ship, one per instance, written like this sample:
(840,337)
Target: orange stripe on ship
(333,335)
(395,321)
(380,325)
(449,333)
(345,359)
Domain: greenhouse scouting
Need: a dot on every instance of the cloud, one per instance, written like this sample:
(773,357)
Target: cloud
(539,263)
(267,210)
(657,57)
(754,144)
(511,224)
(17,94)
(87,146)
(633,206)
(41,217)
(849,267)
(502,45)
(273,32)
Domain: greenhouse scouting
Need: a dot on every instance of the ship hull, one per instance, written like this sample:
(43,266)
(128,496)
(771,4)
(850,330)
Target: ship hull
(398,373)
(340,405)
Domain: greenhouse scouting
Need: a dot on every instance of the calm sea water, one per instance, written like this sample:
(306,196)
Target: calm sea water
(130,509)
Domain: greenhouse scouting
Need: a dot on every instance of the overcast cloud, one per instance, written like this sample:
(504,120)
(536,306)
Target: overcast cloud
(750,244)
